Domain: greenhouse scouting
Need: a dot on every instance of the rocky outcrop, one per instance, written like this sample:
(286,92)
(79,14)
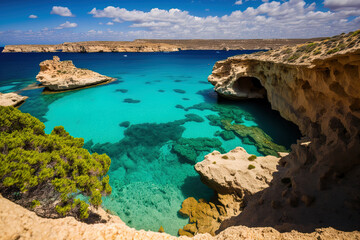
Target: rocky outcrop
(316,86)
(55,75)
(235,176)
(11,99)
(236,172)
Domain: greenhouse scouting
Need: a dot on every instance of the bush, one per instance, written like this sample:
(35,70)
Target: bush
(34,204)
(32,160)
(252,158)
(251,167)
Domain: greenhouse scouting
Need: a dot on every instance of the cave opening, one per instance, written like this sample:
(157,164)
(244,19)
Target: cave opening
(249,87)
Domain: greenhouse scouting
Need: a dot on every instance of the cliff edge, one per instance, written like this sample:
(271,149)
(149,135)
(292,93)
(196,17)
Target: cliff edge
(316,86)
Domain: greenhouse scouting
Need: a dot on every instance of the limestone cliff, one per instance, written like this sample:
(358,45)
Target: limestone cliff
(55,75)
(157,45)
(316,86)
(95,46)
(11,99)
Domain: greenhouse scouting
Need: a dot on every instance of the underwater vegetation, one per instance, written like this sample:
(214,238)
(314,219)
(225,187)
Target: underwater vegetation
(231,119)
(46,172)
(190,148)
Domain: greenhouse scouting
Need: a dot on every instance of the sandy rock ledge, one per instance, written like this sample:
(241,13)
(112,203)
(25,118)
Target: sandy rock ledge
(11,99)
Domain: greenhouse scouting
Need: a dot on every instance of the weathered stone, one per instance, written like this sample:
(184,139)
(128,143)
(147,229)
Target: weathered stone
(11,99)
(230,173)
(60,76)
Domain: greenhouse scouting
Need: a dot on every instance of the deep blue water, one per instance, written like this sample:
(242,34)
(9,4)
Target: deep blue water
(155,93)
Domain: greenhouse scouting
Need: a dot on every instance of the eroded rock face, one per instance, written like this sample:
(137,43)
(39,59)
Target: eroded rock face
(55,75)
(316,86)
(11,99)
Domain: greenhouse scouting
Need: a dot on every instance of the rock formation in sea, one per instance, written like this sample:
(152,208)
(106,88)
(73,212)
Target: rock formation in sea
(11,99)
(316,86)
(56,75)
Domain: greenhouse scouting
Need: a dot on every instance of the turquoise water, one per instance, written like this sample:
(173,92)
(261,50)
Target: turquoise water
(158,95)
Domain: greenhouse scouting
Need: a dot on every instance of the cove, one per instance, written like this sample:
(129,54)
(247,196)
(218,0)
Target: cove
(173,119)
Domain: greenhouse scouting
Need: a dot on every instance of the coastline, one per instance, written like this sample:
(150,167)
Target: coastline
(158,45)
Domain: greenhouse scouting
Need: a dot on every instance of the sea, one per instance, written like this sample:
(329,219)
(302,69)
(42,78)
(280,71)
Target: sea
(159,101)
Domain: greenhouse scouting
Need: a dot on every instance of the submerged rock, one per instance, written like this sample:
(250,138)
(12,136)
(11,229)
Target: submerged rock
(11,99)
(55,75)
(125,124)
(179,91)
(194,117)
(130,100)
(189,149)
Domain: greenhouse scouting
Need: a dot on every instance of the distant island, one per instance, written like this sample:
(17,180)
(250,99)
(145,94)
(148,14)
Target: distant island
(158,45)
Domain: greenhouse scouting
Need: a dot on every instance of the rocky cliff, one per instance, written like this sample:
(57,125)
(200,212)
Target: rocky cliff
(55,75)
(316,86)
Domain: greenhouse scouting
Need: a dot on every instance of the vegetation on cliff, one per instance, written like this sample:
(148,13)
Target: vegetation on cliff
(46,172)
(307,52)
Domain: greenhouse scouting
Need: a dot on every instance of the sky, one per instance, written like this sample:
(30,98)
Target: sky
(58,21)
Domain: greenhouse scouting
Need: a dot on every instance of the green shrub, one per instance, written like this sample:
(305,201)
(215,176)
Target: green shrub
(31,159)
(252,158)
(34,204)
(334,50)
(225,157)
(355,33)
(251,167)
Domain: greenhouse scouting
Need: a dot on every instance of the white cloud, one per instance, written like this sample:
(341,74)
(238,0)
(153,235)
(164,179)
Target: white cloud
(275,19)
(33,16)
(62,11)
(66,24)
(109,23)
(342,4)
(239,2)
(92,31)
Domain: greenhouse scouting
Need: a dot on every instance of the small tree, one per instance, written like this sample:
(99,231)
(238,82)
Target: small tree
(31,160)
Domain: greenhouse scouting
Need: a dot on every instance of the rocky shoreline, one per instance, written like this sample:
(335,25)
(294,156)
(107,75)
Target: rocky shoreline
(157,45)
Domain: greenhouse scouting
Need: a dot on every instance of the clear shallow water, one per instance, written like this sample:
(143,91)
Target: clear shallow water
(155,93)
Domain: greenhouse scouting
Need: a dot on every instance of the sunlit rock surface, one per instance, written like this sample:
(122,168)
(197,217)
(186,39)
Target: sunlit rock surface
(56,75)
(316,86)
(11,99)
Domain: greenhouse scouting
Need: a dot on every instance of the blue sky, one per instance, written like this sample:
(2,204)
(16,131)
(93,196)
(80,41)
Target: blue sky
(55,21)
